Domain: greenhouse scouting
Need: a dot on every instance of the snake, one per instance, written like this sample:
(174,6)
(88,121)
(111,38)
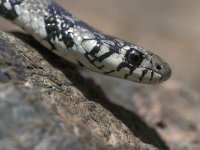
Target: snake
(80,43)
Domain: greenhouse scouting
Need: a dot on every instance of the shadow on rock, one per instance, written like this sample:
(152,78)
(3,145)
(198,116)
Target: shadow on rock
(93,92)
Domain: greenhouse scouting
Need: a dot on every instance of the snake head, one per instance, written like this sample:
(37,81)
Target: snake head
(142,66)
(125,61)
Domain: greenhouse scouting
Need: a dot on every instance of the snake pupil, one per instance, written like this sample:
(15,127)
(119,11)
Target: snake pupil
(158,67)
(135,57)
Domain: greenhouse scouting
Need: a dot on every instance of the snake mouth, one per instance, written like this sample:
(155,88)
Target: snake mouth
(154,70)
(166,74)
(161,67)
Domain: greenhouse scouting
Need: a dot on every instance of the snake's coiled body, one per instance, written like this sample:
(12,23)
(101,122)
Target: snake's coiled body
(79,43)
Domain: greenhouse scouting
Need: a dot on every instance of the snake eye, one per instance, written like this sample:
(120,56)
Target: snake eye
(135,57)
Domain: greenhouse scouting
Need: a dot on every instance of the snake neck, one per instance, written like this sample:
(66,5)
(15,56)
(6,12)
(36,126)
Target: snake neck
(76,41)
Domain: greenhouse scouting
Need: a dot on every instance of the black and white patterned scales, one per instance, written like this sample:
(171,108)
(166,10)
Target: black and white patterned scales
(80,43)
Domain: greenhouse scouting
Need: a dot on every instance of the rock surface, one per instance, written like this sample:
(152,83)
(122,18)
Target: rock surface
(46,103)
(171,109)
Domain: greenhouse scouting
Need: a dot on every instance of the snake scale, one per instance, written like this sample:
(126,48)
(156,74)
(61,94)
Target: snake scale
(79,43)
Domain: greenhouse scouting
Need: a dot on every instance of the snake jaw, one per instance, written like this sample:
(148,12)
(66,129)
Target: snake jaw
(160,70)
(161,67)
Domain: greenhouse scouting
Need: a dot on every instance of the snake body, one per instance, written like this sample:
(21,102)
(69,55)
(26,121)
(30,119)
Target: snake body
(78,42)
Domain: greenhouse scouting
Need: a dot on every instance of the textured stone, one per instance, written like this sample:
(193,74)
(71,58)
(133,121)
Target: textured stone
(46,104)
(171,109)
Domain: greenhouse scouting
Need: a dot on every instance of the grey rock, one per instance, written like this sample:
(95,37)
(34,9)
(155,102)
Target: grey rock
(46,104)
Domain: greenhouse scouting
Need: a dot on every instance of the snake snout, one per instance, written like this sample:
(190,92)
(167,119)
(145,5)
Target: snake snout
(165,72)
(162,68)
